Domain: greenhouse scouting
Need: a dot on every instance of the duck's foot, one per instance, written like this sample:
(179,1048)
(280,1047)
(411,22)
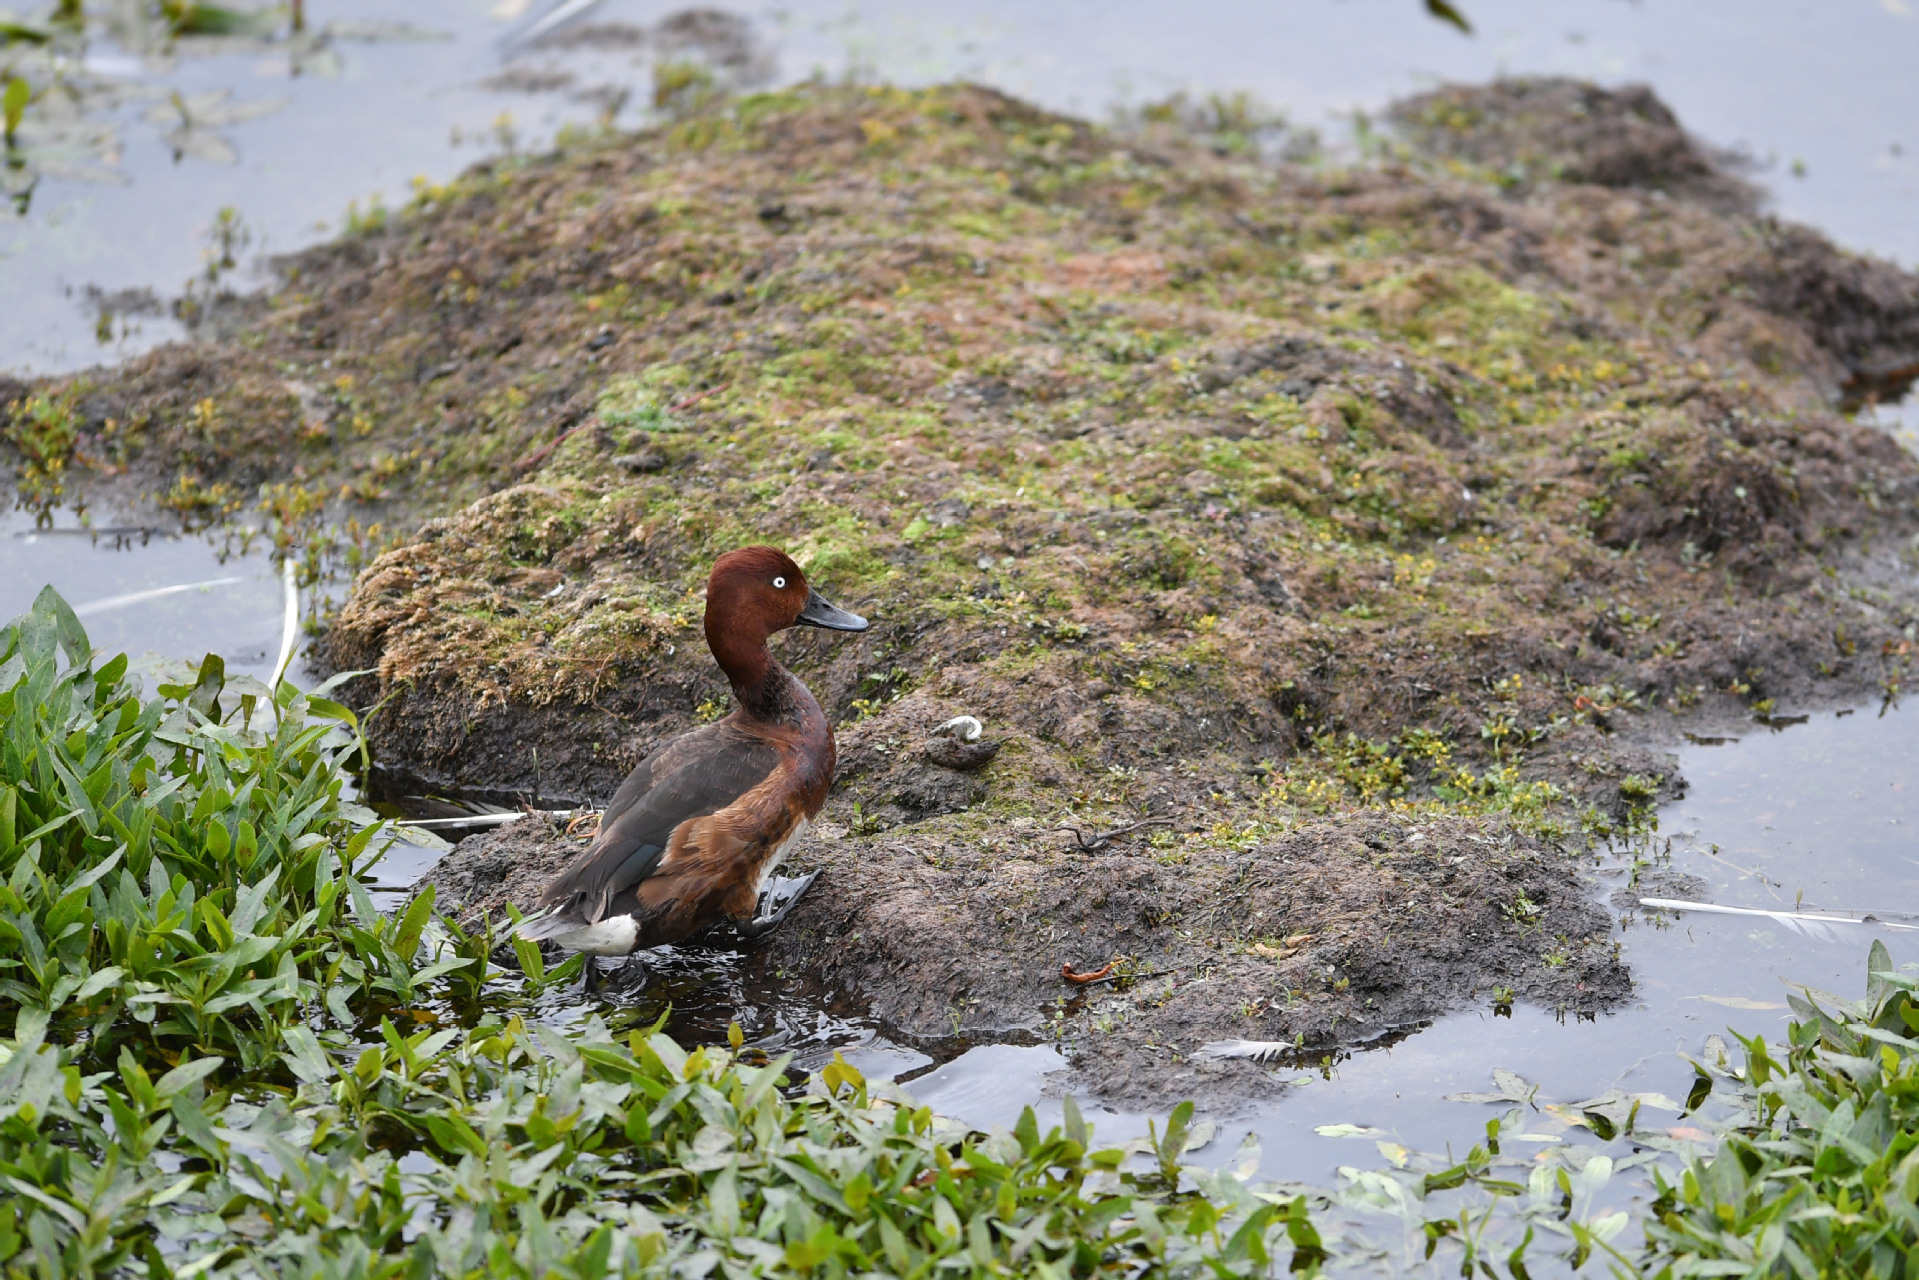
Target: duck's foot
(777,901)
(613,974)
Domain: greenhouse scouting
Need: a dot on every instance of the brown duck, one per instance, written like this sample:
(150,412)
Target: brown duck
(695,833)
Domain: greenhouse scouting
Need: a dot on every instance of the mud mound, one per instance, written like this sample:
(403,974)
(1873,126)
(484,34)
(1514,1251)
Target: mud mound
(1863,311)
(1552,128)
(1334,934)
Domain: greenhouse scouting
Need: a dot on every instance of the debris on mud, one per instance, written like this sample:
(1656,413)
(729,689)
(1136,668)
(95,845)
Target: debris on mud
(1434,492)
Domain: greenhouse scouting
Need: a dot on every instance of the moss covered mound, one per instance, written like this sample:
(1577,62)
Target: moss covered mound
(1150,454)
(1226,493)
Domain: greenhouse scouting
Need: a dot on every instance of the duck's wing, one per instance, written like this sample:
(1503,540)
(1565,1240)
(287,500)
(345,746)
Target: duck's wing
(695,774)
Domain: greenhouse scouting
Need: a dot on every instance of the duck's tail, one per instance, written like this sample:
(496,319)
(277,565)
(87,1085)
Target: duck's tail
(564,926)
(544,925)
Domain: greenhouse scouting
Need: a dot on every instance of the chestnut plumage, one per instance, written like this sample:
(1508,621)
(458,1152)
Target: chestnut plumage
(695,832)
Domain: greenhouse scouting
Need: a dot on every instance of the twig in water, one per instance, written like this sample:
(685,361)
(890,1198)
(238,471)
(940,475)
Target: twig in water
(487,819)
(155,593)
(1103,838)
(1812,924)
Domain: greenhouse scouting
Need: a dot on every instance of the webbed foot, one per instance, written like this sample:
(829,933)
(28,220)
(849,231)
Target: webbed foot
(613,974)
(776,903)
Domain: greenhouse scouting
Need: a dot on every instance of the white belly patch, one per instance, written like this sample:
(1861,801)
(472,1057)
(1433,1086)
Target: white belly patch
(772,864)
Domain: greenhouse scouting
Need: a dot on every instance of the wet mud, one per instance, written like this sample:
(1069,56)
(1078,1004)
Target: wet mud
(1337,934)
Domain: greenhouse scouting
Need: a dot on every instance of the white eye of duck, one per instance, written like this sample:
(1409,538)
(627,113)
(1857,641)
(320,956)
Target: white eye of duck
(779,584)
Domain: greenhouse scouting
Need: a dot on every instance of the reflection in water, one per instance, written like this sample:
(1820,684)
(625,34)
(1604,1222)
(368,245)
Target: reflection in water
(148,593)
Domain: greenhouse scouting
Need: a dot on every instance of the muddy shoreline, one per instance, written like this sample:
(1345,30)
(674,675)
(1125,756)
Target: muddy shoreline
(1334,935)
(1368,528)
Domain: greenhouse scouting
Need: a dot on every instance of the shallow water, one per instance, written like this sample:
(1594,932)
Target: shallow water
(146,592)
(1818,92)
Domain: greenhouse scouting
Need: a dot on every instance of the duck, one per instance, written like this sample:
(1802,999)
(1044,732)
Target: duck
(695,833)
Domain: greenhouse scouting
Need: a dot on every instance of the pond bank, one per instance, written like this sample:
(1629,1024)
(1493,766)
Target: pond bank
(1227,494)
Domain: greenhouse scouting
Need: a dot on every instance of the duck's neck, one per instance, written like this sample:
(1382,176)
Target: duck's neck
(761,686)
(770,697)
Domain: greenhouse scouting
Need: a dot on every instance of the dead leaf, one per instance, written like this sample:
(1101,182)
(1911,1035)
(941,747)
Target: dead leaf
(1347,1131)
(1737,1002)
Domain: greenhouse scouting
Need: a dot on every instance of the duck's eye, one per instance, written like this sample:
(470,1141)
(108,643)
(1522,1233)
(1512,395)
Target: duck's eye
(779,584)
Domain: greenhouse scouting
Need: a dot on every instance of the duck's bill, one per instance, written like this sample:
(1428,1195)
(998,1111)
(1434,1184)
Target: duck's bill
(819,613)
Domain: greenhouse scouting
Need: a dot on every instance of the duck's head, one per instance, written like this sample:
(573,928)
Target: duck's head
(756,591)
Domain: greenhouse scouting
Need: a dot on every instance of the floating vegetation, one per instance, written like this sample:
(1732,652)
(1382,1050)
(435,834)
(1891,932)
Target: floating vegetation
(197,119)
(58,115)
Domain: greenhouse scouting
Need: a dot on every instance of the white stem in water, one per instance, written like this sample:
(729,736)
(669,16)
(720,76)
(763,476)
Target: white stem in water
(1713,908)
(141,597)
(563,13)
(290,629)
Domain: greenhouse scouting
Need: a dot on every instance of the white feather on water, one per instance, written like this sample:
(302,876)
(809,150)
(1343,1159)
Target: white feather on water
(1251,1050)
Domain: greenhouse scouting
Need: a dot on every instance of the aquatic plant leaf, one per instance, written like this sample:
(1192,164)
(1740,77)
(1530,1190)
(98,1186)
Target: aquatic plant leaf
(339,678)
(1878,966)
(66,625)
(80,171)
(1246,1160)
(207,685)
(213,110)
(1513,1087)
(13,105)
(1347,1131)
(194,18)
(1738,1002)
(12,29)
(421,837)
